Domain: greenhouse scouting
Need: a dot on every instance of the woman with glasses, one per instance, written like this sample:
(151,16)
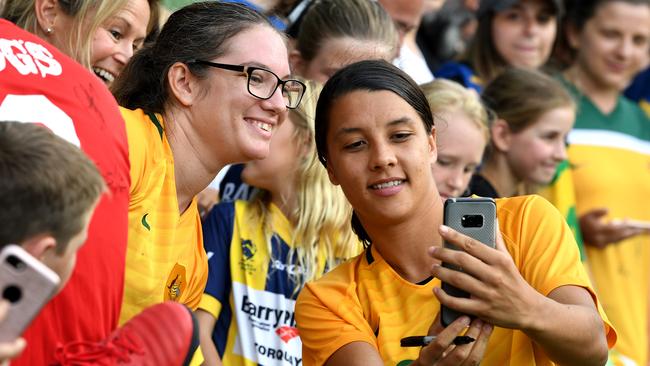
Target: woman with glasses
(206,93)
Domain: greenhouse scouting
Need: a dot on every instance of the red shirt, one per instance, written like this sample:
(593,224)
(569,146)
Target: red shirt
(40,84)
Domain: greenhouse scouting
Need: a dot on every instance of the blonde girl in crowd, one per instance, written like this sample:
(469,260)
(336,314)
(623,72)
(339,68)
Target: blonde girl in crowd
(98,34)
(189,111)
(461,135)
(264,250)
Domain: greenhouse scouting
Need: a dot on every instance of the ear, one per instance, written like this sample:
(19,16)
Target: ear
(501,135)
(183,84)
(296,62)
(38,246)
(433,149)
(331,175)
(46,12)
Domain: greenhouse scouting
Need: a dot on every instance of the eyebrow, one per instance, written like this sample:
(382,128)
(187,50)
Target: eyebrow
(263,66)
(349,130)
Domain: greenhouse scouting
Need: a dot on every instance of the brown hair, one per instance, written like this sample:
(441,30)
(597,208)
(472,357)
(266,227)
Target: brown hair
(482,54)
(47,185)
(521,97)
(357,19)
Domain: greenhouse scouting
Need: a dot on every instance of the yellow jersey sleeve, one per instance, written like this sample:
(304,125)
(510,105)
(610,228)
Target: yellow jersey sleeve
(330,315)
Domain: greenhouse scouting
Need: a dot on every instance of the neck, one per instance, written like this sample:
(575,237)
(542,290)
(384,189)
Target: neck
(604,98)
(497,172)
(285,199)
(192,170)
(404,245)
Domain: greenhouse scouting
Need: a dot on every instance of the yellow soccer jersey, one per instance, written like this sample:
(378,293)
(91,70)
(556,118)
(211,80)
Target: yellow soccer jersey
(165,257)
(610,159)
(365,300)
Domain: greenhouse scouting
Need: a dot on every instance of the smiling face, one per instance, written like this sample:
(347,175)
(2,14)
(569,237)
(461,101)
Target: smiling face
(380,154)
(460,149)
(524,34)
(118,38)
(230,121)
(535,152)
(613,45)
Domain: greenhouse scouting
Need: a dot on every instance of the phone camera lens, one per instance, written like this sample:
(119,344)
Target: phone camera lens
(16,262)
(471,220)
(12,294)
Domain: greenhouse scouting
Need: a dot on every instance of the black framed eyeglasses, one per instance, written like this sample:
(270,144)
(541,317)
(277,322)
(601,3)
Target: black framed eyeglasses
(262,83)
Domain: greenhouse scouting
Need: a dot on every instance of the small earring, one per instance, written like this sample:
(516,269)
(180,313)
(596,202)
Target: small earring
(48,30)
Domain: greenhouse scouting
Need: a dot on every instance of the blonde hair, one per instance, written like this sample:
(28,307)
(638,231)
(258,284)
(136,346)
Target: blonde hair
(322,213)
(87,16)
(447,95)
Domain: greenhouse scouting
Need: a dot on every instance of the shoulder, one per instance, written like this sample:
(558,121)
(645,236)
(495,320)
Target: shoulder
(332,287)
(524,207)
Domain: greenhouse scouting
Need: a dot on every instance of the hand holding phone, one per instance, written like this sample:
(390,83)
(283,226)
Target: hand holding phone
(26,284)
(476,218)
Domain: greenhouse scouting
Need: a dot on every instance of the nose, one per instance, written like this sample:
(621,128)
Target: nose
(625,48)
(455,181)
(124,52)
(560,151)
(276,103)
(382,156)
(531,26)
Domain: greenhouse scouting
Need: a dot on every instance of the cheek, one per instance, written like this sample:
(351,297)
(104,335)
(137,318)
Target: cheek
(102,47)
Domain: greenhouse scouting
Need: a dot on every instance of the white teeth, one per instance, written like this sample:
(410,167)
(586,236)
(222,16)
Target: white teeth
(392,183)
(105,75)
(264,126)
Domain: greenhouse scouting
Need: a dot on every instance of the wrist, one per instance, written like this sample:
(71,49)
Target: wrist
(535,319)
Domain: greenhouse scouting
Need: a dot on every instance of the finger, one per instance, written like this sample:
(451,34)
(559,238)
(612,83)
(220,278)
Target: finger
(4,308)
(11,349)
(461,280)
(434,351)
(459,354)
(479,346)
(469,245)
(461,261)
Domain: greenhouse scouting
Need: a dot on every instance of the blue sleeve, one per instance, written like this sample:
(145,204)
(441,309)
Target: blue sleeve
(217,235)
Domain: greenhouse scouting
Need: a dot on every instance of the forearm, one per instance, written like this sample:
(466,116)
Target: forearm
(569,334)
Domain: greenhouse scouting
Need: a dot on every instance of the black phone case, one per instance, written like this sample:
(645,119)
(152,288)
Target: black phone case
(454,210)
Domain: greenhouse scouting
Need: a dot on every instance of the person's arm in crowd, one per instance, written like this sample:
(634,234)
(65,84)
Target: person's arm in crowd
(566,324)
(600,233)
(206,327)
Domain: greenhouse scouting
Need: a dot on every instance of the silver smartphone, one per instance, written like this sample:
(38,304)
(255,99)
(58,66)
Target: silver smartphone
(27,284)
(476,218)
